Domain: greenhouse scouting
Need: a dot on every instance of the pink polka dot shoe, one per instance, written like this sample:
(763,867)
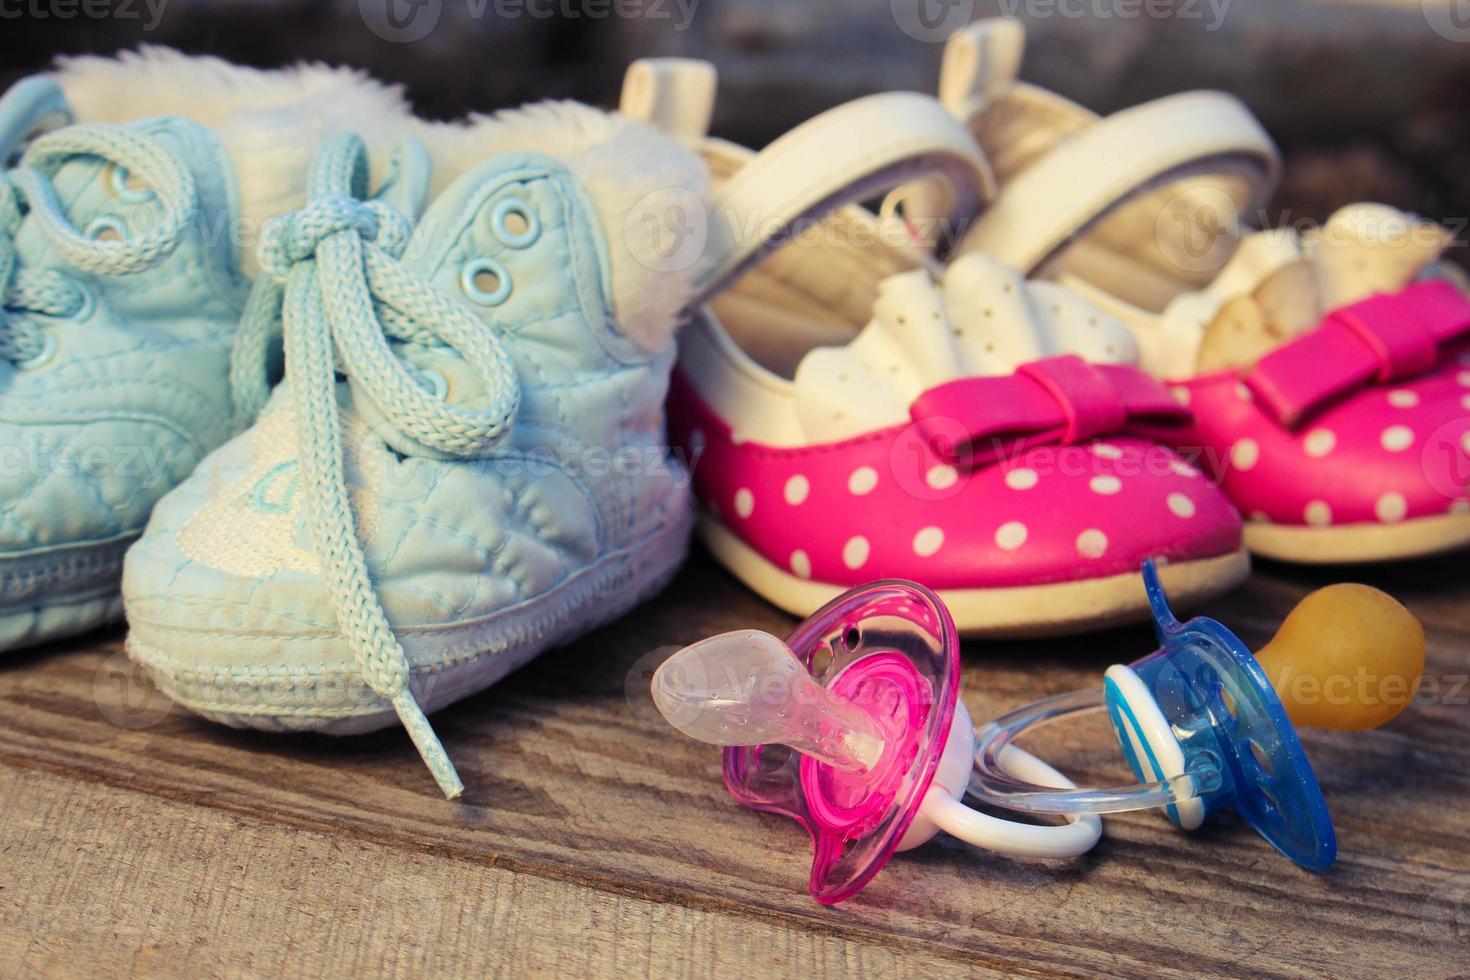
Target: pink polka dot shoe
(1325,368)
(849,417)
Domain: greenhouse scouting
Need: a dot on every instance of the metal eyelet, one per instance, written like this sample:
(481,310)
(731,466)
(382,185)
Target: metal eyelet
(505,212)
(438,384)
(89,304)
(470,280)
(101,225)
(47,352)
(117,182)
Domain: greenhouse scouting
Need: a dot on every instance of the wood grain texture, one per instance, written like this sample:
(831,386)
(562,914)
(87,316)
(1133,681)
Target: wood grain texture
(594,841)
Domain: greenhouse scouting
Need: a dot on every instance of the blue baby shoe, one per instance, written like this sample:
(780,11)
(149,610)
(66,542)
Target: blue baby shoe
(466,463)
(122,282)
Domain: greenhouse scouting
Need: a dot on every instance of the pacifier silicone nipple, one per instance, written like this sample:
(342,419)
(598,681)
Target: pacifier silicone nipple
(851,726)
(748,688)
(1347,657)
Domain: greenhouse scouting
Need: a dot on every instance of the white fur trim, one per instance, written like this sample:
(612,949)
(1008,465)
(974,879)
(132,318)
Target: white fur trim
(622,163)
(270,122)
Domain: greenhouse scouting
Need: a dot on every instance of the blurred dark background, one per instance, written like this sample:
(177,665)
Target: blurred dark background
(1370,99)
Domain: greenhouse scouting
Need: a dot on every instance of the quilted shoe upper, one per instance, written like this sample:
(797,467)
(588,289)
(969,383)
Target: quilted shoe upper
(225,592)
(130,392)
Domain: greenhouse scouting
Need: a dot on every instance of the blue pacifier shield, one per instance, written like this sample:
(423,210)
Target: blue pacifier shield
(1202,704)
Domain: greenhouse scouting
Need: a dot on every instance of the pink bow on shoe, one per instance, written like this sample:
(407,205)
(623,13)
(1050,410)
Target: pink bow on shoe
(1383,338)
(1060,400)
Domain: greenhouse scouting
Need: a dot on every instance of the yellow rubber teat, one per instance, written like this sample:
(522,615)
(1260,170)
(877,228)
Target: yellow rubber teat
(1348,657)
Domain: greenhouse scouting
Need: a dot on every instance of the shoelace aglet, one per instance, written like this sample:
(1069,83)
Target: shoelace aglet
(431,750)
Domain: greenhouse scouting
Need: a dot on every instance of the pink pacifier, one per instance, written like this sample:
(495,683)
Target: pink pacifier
(852,727)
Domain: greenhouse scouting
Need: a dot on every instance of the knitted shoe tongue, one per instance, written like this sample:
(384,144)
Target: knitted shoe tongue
(28,108)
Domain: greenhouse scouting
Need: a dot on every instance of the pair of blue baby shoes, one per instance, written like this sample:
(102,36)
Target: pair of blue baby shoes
(463,462)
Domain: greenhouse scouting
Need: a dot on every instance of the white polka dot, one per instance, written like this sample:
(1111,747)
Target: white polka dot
(1181,395)
(797,489)
(1180,468)
(1465,403)
(941,477)
(1181,505)
(1010,535)
(862,481)
(696,441)
(1464,378)
(855,552)
(801,564)
(1319,442)
(1107,450)
(1397,438)
(1402,398)
(1391,507)
(1022,478)
(744,502)
(1242,392)
(1318,514)
(1092,543)
(928,541)
(1465,443)
(1105,485)
(1244,454)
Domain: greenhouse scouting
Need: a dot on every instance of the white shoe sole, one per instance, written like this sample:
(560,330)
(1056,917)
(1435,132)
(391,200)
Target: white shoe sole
(1056,609)
(1349,543)
(502,642)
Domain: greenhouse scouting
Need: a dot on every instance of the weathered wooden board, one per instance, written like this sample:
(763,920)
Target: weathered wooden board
(594,841)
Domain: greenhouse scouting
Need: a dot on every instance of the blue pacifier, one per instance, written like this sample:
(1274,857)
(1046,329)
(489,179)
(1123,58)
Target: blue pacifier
(1205,725)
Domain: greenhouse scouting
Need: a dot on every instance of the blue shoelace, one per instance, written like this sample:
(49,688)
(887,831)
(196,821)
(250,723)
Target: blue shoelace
(26,190)
(334,286)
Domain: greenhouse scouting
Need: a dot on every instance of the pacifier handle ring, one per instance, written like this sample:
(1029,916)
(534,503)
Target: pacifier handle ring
(1076,836)
(997,779)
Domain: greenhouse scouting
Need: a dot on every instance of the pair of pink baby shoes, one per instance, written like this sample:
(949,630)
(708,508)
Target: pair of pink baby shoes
(1109,364)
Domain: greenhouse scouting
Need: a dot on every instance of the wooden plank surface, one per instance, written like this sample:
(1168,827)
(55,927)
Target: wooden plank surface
(594,841)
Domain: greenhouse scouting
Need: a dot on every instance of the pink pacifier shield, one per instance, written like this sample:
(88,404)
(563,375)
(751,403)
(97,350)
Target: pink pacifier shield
(890,649)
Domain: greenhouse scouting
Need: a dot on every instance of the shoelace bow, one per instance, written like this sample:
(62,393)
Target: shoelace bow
(27,190)
(333,285)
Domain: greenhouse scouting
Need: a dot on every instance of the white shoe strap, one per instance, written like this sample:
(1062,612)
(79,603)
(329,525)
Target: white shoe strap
(675,95)
(1089,173)
(847,154)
